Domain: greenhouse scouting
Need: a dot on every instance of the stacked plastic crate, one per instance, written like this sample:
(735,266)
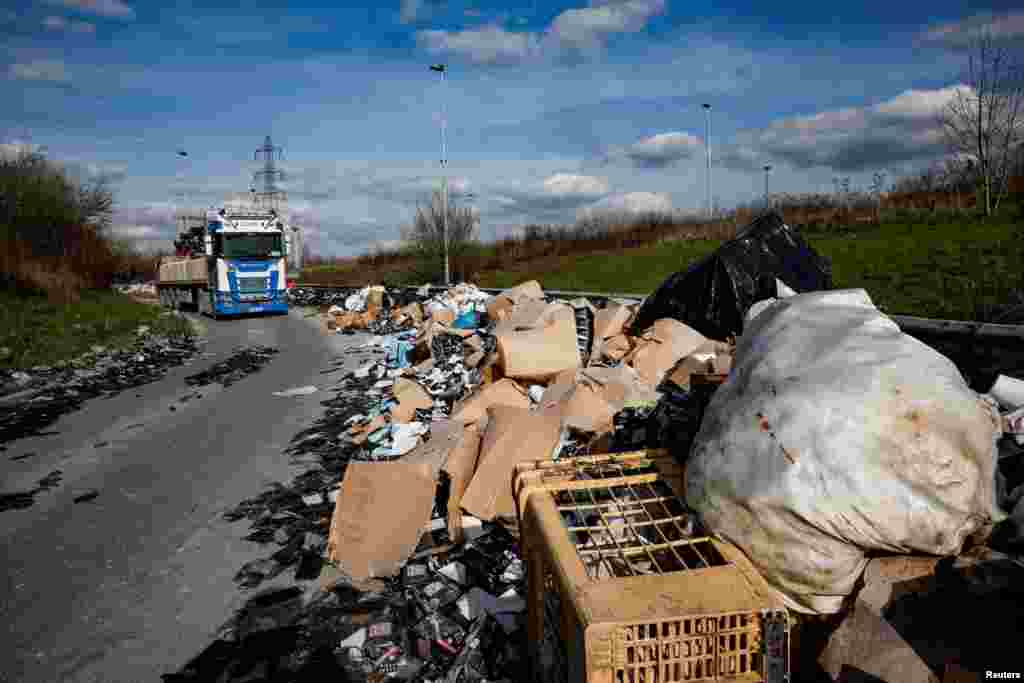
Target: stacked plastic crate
(623,586)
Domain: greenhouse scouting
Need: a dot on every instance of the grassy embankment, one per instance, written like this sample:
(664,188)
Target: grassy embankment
(37,331)
(937,265)
(58,260)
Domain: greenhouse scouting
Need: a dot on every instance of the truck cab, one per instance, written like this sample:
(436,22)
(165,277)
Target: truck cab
(247,259)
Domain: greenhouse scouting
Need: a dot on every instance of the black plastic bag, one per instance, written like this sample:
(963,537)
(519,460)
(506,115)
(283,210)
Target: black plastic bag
(713,295)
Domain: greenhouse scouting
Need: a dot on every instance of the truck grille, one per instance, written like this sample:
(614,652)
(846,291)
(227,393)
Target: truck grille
(253,284)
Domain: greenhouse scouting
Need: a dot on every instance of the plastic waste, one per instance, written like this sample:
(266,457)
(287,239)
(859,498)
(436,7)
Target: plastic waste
(713,295)
(837,435)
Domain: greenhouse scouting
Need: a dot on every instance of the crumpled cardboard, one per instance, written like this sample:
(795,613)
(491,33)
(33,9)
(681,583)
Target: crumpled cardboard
(453,448)
(411,396)
(513,435)
(611,320)
(499,308)
(542,352)
(504,392)
(660,348)
(360,433)
(379,516)
(530,289)
(527,315)
(587,400)
(474,359)
(710,358)
(615,348)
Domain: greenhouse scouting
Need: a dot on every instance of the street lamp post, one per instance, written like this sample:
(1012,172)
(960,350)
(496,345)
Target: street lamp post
(707,147)
(443,69)
(767,169)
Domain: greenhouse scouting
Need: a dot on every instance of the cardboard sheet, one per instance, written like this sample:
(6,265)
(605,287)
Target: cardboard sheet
(379,516)
(616,348)
(611,320)
(544,351)
(661,347)
(530,289)
(504,392)
(499,308)
(460,466)
(513,435)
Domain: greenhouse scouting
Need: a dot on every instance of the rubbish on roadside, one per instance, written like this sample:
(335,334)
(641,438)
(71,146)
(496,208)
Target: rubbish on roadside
(411,396)
(836,435)
(543,351)
(615,556)
(467,321)
(91,494)
(660,347)
(713,295)
(1009,391)
(377,519)
(513,435)
(616,348)
(297,391)
(504,392)
(313,499)
(1013,424)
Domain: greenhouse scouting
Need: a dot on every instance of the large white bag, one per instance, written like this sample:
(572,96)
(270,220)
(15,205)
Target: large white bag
(837,434)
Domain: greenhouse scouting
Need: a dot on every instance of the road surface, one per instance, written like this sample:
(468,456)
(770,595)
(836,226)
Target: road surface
(137,581)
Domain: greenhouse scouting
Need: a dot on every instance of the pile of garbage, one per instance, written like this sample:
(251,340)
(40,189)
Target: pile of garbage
(31,400)
(792,408)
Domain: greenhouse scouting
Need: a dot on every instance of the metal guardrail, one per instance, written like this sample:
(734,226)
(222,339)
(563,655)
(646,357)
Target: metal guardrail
(907,323)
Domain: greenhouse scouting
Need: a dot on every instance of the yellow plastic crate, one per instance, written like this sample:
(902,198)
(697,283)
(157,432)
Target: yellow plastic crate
(622,590)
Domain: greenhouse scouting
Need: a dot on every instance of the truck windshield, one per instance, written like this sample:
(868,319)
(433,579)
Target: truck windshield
(255,245)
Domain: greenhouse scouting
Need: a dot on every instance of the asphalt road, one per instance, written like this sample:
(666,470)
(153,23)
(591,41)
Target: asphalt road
(137,581)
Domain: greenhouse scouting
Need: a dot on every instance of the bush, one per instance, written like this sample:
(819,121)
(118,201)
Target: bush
(54,229)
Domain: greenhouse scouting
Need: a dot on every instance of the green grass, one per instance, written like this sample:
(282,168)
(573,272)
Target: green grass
(938,270)
(636,271)
(37,332)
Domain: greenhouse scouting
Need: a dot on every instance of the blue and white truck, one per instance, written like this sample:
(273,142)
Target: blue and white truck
(239,266)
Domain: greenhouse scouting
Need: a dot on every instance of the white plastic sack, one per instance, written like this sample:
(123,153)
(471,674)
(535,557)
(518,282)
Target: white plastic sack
(837,434)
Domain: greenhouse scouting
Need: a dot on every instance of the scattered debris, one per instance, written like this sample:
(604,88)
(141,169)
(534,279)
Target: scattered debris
(455,390)
(297,391)
(91,494)
(242,362)
(64,390)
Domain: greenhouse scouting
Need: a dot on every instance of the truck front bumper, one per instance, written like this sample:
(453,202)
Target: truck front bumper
(229,305)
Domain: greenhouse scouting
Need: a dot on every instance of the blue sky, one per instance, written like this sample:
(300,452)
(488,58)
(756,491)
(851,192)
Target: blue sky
(553,108)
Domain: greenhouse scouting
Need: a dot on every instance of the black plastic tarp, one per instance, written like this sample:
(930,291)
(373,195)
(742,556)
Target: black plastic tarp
(714,294)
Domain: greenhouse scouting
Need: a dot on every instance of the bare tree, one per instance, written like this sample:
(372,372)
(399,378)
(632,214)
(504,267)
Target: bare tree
(877,188)
(426,234)
(985,119)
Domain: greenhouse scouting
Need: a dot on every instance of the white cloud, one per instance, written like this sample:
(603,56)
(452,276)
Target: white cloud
(56,23)
(570,184)
(41,70)
(591,26)
(487,45)
(584,29)
(635,202)
(663,149)
(900,130)
(961,33)
(103,8)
